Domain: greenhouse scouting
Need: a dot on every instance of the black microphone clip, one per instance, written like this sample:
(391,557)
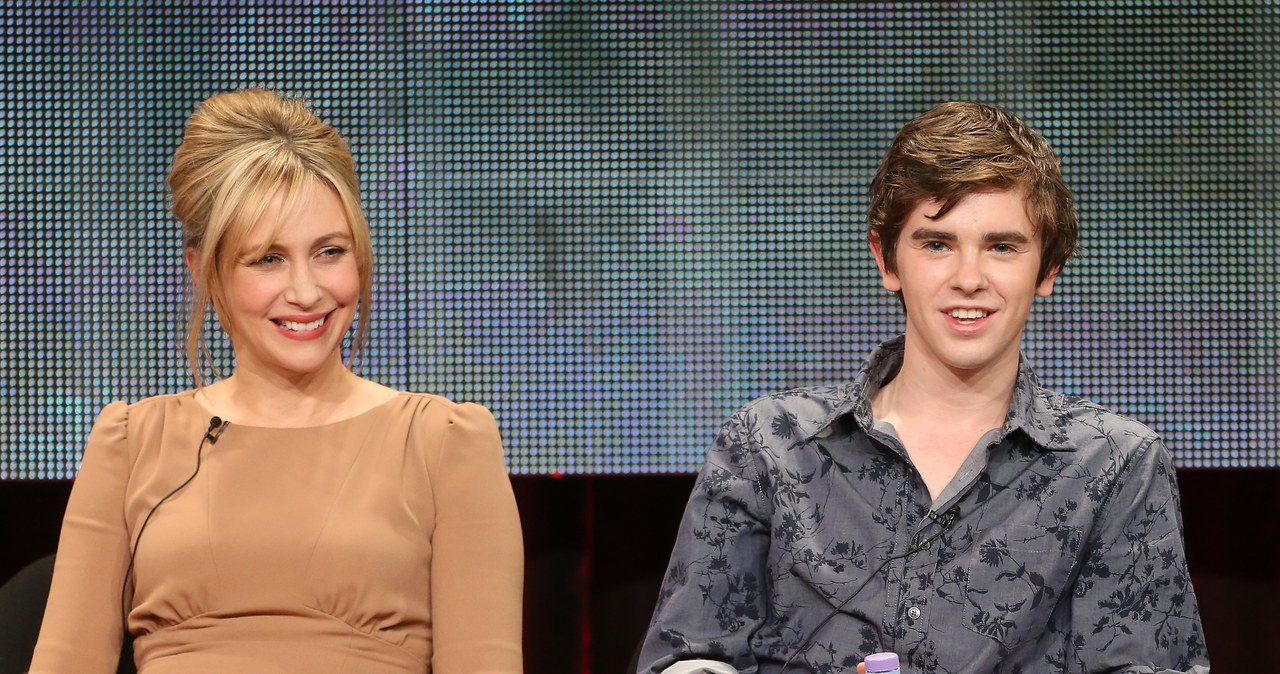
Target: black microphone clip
(218,425)
(945,519)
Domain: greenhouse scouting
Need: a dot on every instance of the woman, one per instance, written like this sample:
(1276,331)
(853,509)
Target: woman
(291,516)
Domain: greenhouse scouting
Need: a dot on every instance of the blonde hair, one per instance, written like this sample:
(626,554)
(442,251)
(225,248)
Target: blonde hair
(239,150)
(960,148)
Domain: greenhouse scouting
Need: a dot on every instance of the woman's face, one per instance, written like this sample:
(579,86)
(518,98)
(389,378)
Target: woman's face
(290,306)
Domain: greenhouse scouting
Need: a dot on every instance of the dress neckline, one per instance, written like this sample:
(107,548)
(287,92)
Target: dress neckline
(400,395)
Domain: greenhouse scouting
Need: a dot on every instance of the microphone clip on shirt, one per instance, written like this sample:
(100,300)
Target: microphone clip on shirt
(944,519)
(216,427)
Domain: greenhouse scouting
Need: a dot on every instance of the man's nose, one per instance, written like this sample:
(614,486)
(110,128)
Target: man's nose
(969,274)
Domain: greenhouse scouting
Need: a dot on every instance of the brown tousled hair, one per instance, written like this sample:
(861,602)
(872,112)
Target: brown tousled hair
(962,148)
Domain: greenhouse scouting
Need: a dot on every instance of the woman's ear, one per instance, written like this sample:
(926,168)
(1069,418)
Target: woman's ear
(193,266)
(196,268)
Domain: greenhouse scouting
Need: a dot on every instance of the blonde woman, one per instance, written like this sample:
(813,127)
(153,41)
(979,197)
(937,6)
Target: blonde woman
(292,516)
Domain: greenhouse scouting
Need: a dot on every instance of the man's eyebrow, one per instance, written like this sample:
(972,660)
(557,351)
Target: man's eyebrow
(1012,236)
(925,234)
(1005,237)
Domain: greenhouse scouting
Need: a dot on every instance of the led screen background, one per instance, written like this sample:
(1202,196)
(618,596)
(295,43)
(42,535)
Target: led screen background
(614,223)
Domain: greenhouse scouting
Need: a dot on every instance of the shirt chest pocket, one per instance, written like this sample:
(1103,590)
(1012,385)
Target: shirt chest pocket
(1011,578)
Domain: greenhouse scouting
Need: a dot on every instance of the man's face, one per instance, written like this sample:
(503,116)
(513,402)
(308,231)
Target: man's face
(967,280)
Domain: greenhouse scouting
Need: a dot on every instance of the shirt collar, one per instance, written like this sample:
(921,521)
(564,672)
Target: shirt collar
(1042,415)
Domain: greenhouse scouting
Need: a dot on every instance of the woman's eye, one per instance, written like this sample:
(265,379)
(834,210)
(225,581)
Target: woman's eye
(269,258)
(334,251)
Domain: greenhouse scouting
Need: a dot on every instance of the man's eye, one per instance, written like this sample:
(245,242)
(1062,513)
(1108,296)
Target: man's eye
(1004,248)
(936,246)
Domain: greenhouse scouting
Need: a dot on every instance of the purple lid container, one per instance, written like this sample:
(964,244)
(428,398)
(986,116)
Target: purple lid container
(881,662)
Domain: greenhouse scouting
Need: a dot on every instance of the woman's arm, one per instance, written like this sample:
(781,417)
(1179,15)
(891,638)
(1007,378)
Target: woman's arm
(82,629)
(477,566)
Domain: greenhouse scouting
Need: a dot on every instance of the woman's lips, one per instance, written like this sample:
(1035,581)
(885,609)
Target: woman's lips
(302,329)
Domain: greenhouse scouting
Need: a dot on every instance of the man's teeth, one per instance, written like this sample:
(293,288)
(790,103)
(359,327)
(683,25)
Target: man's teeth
(968,314)
(302,327)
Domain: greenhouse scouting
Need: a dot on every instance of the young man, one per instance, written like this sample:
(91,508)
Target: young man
(943,505)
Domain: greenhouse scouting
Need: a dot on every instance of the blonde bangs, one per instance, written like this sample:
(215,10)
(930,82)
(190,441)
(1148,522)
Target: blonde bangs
(245,211)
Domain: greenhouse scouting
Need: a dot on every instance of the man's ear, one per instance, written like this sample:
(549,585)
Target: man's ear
(1045,287)
(887,278)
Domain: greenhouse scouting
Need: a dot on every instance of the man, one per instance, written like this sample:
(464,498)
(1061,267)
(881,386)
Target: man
(943,505)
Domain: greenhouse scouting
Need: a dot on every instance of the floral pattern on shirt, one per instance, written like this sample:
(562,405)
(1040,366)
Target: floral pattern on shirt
(1065,552)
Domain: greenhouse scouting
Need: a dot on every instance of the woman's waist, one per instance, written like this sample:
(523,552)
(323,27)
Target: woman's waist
(304,641)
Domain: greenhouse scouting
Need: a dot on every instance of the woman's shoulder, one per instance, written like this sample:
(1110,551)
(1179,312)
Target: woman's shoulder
(150,406)
(123,428)
(436,404)
(370,396)
(452,436)
(152,412)
(162,405)
(436,417)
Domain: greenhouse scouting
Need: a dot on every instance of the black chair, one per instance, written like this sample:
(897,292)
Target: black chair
(22,601)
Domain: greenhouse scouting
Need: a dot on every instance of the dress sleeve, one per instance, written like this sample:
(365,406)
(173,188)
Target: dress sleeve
(82,629)
(477,567)
(1134,608)
(713,596)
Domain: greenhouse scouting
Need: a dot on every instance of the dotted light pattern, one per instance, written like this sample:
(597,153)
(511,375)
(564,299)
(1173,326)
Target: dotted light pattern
(614,223)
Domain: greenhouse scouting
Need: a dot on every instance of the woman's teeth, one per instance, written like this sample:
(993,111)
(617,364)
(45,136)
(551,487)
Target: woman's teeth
(302,327)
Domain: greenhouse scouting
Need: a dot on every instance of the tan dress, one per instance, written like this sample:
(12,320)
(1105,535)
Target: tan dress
(388,542)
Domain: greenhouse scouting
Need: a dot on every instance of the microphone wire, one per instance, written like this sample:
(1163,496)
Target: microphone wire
(210,437)
(945,521)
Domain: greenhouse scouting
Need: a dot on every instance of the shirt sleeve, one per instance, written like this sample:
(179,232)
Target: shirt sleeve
(713,598)
(1134,608)
(82,629)
(477,566)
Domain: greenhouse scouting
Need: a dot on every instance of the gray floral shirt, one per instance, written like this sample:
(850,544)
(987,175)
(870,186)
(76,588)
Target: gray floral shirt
(1057,547)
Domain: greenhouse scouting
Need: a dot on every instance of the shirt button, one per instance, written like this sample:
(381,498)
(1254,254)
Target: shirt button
(924,545)
(914,613)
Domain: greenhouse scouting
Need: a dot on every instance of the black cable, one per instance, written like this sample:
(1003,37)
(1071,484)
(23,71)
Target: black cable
(945,521)
(209,436)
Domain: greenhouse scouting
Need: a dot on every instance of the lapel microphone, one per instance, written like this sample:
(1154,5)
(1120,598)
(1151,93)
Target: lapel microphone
(216,427)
